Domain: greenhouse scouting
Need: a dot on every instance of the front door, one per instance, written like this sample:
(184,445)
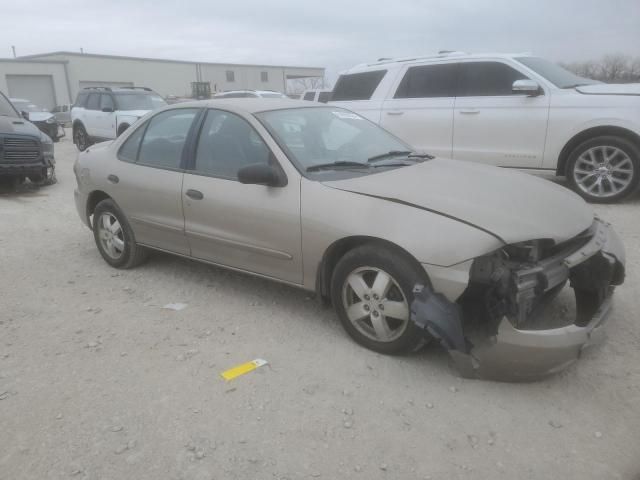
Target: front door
(249,227)
(420,111)
(105,118)
(147,181)
(494,125)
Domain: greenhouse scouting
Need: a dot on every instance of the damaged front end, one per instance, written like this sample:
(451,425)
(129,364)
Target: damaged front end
(501,327)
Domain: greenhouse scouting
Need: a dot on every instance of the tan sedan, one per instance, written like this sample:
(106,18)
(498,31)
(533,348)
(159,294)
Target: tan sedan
(405,246)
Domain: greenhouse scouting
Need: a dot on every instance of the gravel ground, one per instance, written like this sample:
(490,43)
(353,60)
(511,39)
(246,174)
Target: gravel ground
(97,381)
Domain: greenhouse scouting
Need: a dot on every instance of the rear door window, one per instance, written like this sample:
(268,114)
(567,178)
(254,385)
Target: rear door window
(106,101)
(487,79)
(93,102)
(357,86)
(309,96)
(429,81)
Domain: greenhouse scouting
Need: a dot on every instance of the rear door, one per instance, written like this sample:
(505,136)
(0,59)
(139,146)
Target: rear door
(420,108)
(255,228)
(494,125)
(147,181)
(105,117)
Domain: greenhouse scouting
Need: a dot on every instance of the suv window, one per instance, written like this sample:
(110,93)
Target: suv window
(129,151)
(81,99)
(357,86)
(106,101)
(227,143)
(428,81)
(165,137)
(139,101)
(309,96)
(482,79)
(324,97)
(93,102)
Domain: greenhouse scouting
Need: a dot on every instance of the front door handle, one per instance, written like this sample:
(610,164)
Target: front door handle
(194,194)
(113,178)
(468,112)
(395,112)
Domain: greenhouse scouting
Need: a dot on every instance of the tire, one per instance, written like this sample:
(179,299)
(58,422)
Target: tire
(604,169)
(124,253)
(367,263)
(80,138)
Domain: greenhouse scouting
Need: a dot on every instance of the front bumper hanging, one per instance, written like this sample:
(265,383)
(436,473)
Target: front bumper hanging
(508,343)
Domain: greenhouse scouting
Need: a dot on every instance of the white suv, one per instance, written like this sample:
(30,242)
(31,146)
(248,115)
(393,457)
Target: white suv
(103,113)
(511,110)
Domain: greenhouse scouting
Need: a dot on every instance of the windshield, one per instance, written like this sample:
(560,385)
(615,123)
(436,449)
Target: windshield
(140,101)
(25,106)
(555,73)
(315,136)
(6,109)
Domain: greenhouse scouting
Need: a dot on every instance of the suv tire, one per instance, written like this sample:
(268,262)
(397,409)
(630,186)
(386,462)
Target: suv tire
(80,137)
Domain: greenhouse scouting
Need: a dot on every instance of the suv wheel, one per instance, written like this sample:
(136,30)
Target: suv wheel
(604,169)
(80,138)
(372,291)
(114,237)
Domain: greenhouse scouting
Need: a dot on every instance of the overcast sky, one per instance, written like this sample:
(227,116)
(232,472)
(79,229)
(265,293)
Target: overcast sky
(335,34)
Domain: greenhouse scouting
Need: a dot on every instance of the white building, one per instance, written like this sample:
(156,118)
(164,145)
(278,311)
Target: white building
(55,78)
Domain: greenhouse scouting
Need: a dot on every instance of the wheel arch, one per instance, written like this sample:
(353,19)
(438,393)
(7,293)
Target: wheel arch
(338,249)
(592,132)
(93,199)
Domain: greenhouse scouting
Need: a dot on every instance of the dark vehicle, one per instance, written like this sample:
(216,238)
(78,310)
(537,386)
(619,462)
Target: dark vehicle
(25,151)
(40,117)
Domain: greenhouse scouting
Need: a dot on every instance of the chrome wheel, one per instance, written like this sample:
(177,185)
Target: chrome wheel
(603,171)
(111,235)
(375,304)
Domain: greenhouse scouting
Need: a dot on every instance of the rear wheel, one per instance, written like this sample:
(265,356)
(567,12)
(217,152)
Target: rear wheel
(372,290)
(114,237)
(604,169)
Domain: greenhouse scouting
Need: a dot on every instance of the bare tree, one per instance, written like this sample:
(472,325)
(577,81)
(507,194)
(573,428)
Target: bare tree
(614,68)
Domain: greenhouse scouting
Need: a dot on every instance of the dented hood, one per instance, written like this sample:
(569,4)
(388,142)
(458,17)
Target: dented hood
(510,205)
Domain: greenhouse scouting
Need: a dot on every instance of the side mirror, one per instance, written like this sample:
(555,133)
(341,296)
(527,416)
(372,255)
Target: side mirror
(261,174)
(527,87)
(25,115)
(107,110)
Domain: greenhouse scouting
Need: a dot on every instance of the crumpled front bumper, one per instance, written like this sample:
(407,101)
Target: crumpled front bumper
(511,354)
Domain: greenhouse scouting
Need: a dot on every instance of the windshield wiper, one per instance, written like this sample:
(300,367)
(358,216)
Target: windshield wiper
(328,166)
(397,153)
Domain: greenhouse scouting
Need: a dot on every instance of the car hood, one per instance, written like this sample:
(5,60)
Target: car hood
(510,205)
(39,116)
(16,125)
(610,89)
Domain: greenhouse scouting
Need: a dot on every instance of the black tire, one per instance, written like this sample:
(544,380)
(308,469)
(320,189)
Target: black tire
(133,254)
(80,137)
(406,273)
(608,142)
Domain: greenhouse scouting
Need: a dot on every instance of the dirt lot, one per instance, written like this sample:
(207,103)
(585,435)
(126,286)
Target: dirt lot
(97,381)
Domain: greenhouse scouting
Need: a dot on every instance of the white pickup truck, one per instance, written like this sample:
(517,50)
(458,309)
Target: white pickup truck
(510,110)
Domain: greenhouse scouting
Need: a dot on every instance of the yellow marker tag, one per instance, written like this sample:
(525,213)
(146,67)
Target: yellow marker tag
(243,368)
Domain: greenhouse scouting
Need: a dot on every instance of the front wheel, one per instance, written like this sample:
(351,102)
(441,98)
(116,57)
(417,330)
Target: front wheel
(114,237)
(80,138)
(372,290)
(604,169)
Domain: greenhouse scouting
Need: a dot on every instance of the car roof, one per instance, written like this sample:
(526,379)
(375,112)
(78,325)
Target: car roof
(249,105)
(445,55)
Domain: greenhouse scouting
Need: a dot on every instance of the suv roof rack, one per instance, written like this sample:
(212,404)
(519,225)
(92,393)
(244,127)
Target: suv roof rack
(440,54)
(146,89)
(110,89)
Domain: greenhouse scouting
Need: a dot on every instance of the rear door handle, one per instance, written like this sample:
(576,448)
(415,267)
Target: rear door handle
(194,194)
(468,112)
(395,112)
(113,178)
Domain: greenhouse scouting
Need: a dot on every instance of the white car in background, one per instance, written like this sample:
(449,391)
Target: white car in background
(103,113)
(249,94)
(510,110)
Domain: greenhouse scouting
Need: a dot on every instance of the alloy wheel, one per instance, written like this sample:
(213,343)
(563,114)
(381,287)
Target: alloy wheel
(603,171)
(375,305)
(111,235)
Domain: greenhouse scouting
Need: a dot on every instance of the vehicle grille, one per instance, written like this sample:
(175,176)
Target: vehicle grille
(19,149)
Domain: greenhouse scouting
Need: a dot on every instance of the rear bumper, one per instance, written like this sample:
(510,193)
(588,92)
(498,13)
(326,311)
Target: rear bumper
(502,351)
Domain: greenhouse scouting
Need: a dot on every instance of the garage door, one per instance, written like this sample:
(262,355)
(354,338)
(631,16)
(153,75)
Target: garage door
(37,88)
(87,83)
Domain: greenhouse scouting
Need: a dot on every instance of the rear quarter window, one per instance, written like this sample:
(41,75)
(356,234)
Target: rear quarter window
(357,86)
